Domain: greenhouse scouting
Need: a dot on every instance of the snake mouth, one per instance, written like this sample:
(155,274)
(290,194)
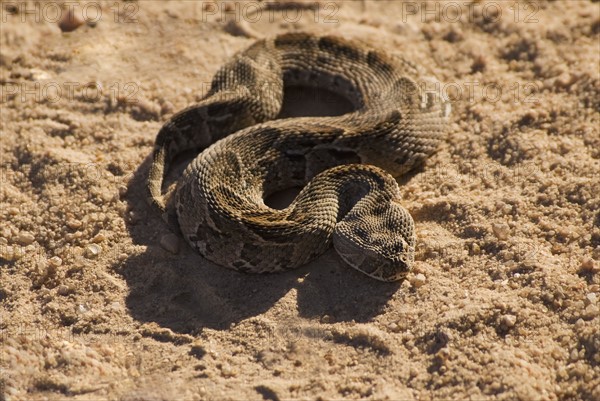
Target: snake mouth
(374,264)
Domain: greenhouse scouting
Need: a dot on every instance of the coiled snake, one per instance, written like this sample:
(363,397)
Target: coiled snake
(345,163)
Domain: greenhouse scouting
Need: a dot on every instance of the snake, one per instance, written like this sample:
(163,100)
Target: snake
(346,164)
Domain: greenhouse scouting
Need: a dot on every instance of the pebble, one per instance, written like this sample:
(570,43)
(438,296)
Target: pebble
(228,371)
(198,350)
(574,355)
(19,252)
(326,319)
(63,290)
(591,312)
(590,265)
(74,224)
(7,253)
(166,108)
(98,238)
(122,190)
(501,230)
(134,217)
(393,327)
(508,320)
(564,80)
(170,243)
(70,21)
(13,211)
(92,251)
(530,115)
(418,280)
(444,353)
(506,255)
(25,238)
(590,299)
(55,261)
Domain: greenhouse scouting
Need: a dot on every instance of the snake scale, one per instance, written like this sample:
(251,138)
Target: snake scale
(345,163)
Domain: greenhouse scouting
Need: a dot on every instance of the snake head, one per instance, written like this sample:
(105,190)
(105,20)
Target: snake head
(377,239)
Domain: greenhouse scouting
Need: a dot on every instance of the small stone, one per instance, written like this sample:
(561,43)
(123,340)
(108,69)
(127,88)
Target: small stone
(444,353)
(74,224)
(508,320)
(531,115)
(39,75)
(564,80)
(198,350)
(63,290)
(55,261)
(134,217)
(98,238)
(92,251)
(25,238)
(227,370)
(574,355)
(418,280)
(170,243)
(393,327)
(13,211)
(326,319)
(166,107)
(501,230)
(19,252)
(7,253)
(70,21)
(589,265)
(591,312)
(506,255)
(590,299)
(479,64)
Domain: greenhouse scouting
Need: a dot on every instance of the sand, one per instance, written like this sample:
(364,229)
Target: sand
(100,302)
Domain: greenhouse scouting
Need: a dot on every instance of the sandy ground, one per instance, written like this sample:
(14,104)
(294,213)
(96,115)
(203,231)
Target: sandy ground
(503,301)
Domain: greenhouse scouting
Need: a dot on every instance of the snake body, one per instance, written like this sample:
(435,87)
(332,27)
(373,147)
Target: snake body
(344,163)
